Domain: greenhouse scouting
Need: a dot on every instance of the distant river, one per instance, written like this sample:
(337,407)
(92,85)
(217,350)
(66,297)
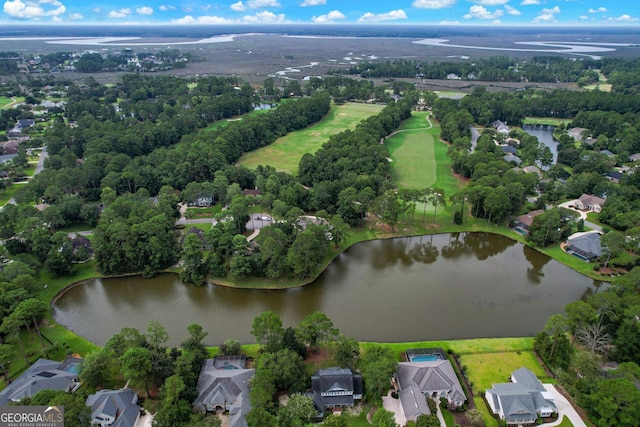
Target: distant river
(447,286)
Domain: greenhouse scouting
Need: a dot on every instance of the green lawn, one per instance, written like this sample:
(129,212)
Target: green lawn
(489,420)
(285,153)
(205,212)
(450,94)
(412,151)
(545,121)
(485,369)
(449,419)
(8,102)
(7,194)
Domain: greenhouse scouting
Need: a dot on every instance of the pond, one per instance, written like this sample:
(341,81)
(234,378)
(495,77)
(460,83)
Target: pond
(447,286)
(544,133)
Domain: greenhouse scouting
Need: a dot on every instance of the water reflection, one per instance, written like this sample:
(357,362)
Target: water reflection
(448,286)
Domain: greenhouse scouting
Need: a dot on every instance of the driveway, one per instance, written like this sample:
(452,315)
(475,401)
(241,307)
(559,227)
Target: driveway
(564,408)
(393,405)
(144,420)
(583,215)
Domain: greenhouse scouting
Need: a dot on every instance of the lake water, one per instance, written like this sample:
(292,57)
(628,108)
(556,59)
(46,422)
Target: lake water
(544,133)
(447,286)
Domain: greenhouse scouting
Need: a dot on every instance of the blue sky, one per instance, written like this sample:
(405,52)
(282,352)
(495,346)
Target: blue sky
(193,12)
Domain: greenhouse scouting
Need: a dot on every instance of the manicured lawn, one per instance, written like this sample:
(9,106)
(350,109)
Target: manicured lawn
(484,369)
(83,226)
(285,153)
(449,419)
(489,420)
(7,194)
(565,422)
(8,102)
(412,151)
(205,212)
(545,121)
(462,347)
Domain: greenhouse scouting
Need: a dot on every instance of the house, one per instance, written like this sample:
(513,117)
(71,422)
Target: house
(522,400)
(614,176)
(589,202)
(204,245)
(432,378)
(251,192)
(202,201)
(512,158)
(576,133)
(607,153)
(524,221)
(44,374)
(224,389)
(114,408)
(507,149)
(335,388)
(584,245)
(532,169)
(5,158)
(501,127)
(25,123)
(634,157)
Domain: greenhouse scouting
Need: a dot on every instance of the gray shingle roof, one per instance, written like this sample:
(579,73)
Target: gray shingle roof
(335,380)
(44,374)
(521,400)
(225,387)
(431,377)
(121,405)
(413,402)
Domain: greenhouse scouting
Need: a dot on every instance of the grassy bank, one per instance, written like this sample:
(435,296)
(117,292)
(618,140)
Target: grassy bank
(285,153)
(552,121)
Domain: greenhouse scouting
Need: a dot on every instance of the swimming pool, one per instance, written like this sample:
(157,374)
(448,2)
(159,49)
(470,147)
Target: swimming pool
(425,358)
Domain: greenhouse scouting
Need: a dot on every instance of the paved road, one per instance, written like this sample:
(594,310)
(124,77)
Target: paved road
(40,166)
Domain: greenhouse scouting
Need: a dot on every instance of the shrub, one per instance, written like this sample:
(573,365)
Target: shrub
(433,407)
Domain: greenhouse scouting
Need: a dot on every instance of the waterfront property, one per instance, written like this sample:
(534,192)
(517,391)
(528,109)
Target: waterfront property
(44,374)
(584,245)
(431,379)
(335,388)
(114,408)
(523,222)
(521,401)
(224,390)
(425,354)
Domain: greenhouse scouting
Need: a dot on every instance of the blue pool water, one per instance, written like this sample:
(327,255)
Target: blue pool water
(426,358)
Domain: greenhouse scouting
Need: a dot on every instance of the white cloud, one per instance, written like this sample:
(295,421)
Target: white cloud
(165,7)
(449,23)
(259,18)
(238,7)
(209,20)
(33,9)
(547,15)
(330,17)
(306,3)
(120,13)
(187,9)
(380,17)
(512,10)
(56,19)
(480,12)
(624,18)
(76,16)
(206,7)
(601,9)
(144,10)
(584,17)
(261,4)
(265,17)
(96,10)
(433,4)
(529,2)
(490,2)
